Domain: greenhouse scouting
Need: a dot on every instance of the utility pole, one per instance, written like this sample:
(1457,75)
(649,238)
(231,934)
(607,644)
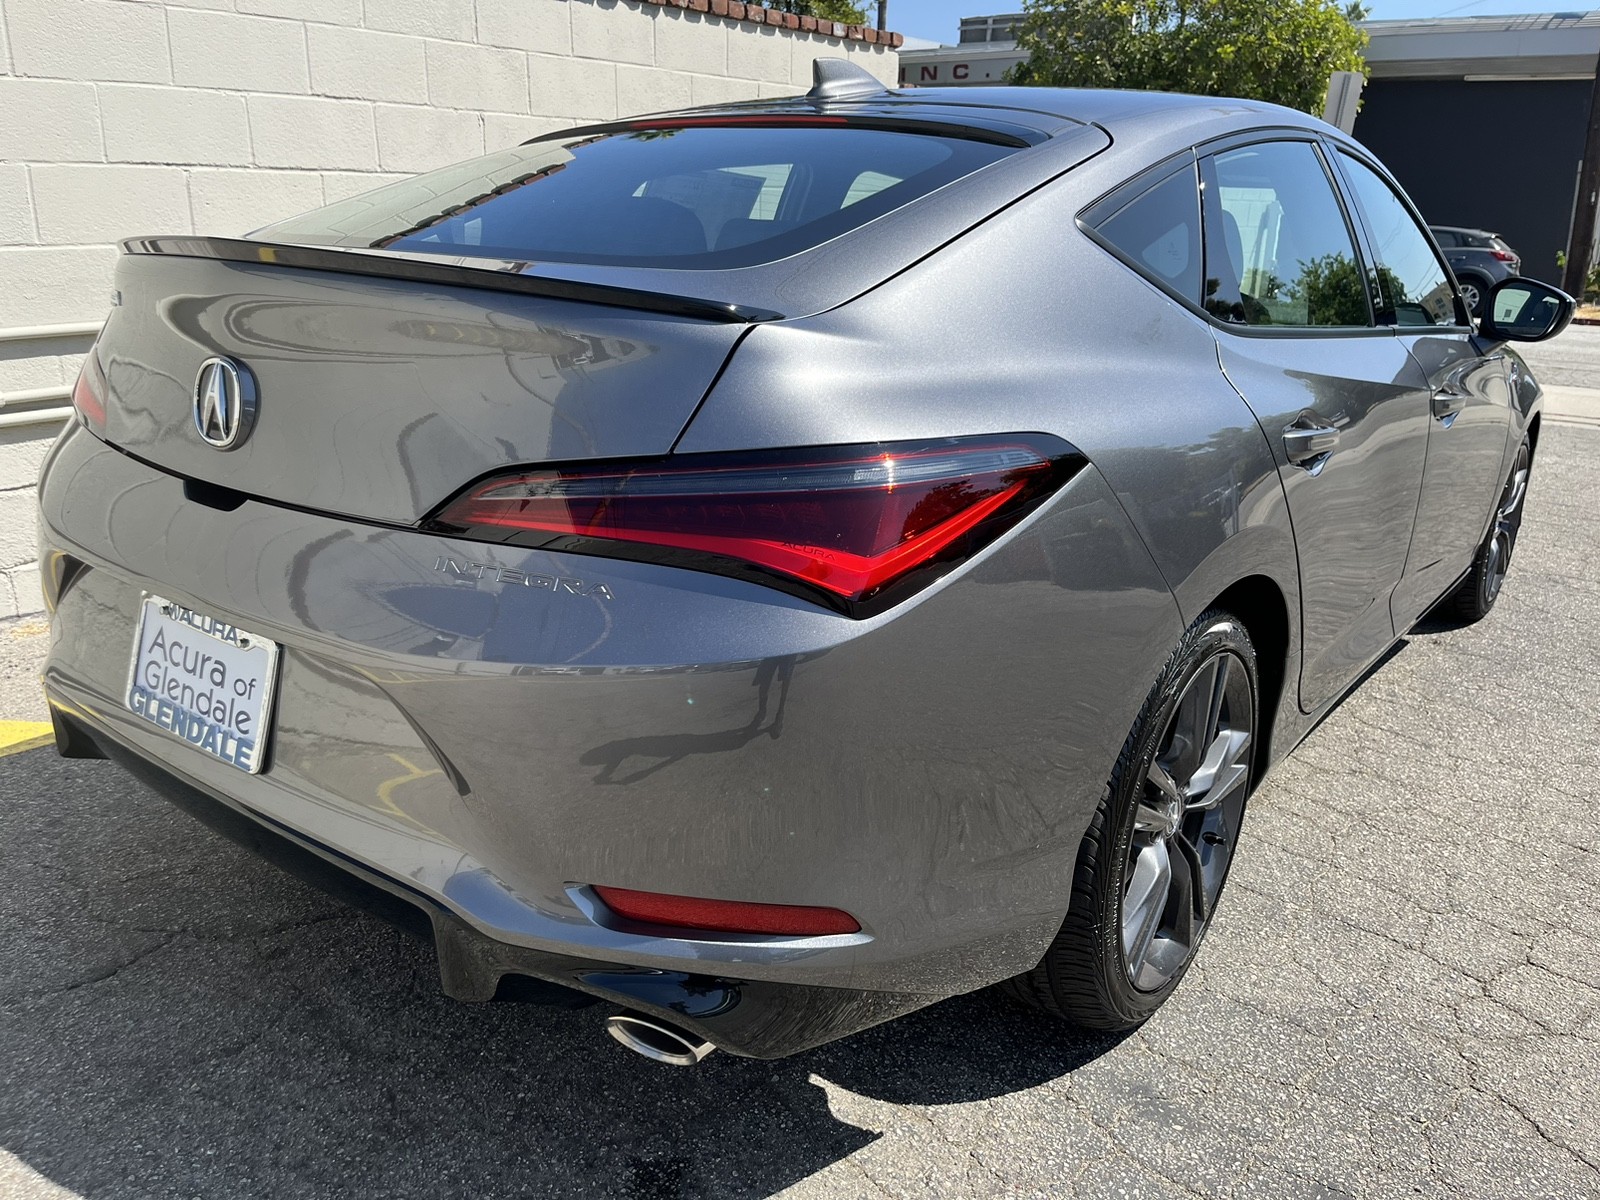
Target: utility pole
(1580,249)
(883,15)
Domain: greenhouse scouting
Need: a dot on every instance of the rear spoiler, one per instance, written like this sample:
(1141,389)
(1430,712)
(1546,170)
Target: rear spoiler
(491,274)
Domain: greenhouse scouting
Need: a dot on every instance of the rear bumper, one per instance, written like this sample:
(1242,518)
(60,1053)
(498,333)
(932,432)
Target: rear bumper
(492,747)
(745,1017)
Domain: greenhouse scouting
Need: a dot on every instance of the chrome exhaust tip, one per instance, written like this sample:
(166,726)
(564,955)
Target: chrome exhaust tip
(653,1039)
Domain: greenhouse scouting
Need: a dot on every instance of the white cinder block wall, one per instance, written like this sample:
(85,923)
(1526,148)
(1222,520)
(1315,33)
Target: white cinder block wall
(126,117)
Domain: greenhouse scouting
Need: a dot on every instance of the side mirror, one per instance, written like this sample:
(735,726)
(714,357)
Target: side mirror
(1525,310)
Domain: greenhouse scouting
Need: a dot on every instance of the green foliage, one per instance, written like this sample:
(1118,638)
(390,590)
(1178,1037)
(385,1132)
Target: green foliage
(1591,282)
(829,10)
(1282,51)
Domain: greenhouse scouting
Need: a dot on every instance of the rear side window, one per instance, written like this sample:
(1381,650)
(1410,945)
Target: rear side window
(1278,248)
(1416,290)
(686,197)
(1447,237)
(1159,233)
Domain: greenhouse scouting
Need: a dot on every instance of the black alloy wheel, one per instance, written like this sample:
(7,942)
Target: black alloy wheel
(1154,860)
(1476,594)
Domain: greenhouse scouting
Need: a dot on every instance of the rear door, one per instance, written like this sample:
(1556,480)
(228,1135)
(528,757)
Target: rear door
(1344,405)
(1469,390)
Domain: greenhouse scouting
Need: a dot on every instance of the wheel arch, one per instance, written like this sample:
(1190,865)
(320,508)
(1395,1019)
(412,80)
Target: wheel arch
(1260,604)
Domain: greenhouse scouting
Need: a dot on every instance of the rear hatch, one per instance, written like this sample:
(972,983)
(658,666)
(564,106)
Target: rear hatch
(571,299)
(376,399)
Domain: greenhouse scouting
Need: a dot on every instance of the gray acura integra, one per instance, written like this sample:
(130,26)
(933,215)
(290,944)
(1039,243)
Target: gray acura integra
(774,566)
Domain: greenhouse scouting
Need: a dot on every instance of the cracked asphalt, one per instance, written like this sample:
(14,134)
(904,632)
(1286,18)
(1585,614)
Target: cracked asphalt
(1400,996)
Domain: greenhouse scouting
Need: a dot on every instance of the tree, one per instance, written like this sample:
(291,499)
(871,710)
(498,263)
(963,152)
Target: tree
(1277,50)
(829,10)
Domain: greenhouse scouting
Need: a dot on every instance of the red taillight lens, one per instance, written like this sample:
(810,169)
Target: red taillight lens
(727,916)
(1504,256)
(89,393)
(846,525)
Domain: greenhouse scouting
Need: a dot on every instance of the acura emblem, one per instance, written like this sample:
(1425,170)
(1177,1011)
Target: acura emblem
(224,402)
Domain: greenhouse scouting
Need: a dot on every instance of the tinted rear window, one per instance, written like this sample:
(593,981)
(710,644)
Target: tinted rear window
(1159,232)
(699,197)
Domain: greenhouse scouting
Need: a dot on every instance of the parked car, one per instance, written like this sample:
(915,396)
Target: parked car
(1479,259)
(773,566)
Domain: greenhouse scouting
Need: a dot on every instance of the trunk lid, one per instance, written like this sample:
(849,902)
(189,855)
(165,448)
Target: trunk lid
(378,398)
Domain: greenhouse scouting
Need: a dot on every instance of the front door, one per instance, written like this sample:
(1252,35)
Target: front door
(1469,393)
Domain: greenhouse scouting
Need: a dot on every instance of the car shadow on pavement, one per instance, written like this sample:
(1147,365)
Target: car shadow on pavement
(180,1018)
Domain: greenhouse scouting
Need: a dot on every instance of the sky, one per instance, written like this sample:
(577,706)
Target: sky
(938,20)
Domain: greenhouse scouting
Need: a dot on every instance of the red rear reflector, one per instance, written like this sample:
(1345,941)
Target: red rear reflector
(841,524)
(726,916)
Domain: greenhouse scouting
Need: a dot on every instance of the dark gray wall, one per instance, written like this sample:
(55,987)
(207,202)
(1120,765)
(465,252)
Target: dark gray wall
(1496,156)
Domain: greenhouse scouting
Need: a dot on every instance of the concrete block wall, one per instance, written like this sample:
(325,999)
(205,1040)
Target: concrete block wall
(126,117)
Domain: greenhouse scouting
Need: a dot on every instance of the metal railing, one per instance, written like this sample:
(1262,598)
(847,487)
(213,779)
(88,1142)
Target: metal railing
(33,406)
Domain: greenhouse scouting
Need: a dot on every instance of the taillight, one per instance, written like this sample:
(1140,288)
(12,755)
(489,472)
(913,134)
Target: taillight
(727,916)
(89,393)
(1505,256)
(854,527)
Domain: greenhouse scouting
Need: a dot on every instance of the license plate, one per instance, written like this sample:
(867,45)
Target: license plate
(203,680)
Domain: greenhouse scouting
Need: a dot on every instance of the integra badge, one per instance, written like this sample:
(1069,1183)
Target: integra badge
(527,579)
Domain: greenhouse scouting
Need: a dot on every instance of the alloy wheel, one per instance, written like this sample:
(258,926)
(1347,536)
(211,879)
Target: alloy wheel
(1187,820)
(1471,296)
(1507,523)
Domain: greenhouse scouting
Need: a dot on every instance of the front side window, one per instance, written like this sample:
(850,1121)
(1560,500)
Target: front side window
(1159,233)
(687,197)
(1278,248)
(1416,290)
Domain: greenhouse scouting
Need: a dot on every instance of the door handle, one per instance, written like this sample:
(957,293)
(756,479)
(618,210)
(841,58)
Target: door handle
(1309,446)
(1447,402)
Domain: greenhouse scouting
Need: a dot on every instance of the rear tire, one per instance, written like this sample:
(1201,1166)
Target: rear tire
(1475,595)
(1156,855)
(1473,291)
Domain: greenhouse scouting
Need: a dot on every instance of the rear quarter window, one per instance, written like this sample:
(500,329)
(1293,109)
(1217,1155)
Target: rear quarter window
(685,197)
(1158,233)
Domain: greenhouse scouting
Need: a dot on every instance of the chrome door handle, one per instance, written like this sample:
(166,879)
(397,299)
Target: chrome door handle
(1309,446)
(1447,402)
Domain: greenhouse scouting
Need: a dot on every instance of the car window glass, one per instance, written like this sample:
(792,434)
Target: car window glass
(694,197)
(1278,248)
(1446,238)
(1415,288)
(1160,232)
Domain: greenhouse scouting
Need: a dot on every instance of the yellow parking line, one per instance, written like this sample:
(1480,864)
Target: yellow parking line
(17,736)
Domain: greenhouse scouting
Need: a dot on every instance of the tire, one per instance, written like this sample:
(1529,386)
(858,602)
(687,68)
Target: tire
(1475,595)
(1113,963)
(1473,291)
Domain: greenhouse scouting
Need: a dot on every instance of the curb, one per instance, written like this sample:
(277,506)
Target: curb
(17,736)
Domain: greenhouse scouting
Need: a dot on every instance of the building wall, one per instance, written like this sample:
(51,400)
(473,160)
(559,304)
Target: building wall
(128,117)
(1499,155)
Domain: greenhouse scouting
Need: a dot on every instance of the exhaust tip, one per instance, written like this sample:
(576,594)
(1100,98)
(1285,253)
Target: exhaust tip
(649,1037)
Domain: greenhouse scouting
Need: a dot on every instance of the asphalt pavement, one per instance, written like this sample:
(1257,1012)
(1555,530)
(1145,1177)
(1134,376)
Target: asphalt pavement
(1400,995)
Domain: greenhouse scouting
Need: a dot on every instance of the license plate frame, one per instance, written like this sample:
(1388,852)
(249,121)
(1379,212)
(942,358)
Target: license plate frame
(218,647)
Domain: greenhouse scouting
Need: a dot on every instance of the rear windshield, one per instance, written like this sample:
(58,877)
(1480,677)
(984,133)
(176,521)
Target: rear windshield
(698,197)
